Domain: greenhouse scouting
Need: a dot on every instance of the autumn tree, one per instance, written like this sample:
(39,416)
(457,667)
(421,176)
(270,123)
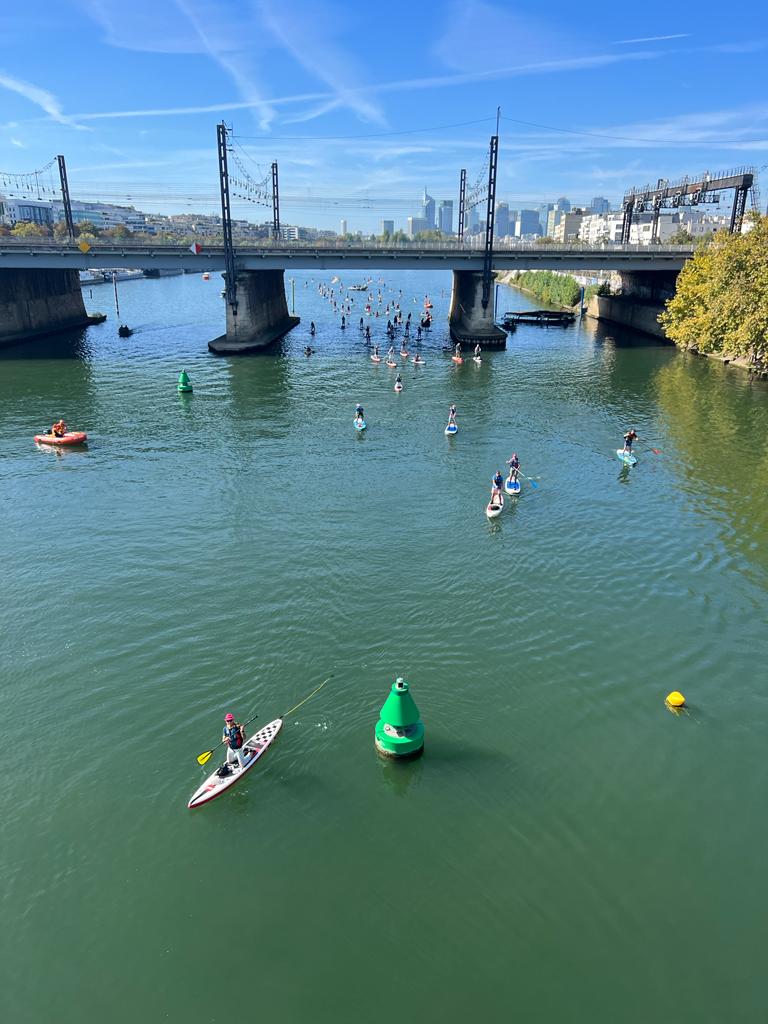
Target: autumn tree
(27,229)
(721,302)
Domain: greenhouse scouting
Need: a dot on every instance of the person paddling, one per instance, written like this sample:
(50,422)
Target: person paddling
(629,438)
(312,327)
(497,497)
(514,466)
(498,481)
(59,429)
(234,738)
(478,350)
(452,414)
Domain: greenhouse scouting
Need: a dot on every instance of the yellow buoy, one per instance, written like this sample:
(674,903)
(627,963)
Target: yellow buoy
(675,699)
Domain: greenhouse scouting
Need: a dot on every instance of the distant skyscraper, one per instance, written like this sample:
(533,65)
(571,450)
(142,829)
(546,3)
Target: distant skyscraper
(418,224)
(599,205)
(343,226)
(445,217)
(428,211)
(527,223)
(473,222)
(387,227)
(501,221)
(563,204)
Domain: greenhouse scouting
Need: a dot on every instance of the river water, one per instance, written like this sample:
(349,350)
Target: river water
(566,850)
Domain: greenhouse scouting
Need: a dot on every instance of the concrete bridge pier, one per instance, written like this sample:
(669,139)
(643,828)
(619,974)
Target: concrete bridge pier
(262,315)
(642,299)
(468,321)
(37,302)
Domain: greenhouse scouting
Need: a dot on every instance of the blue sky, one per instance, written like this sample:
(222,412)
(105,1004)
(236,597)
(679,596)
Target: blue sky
(131,91)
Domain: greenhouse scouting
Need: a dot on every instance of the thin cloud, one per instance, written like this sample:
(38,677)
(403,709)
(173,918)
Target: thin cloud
(653,39)
(19,143)
(40,97)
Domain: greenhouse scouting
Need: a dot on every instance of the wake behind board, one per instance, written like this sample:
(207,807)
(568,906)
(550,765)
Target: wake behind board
(626,457)
(252,749)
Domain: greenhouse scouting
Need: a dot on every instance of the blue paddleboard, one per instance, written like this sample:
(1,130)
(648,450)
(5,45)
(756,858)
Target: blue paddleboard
(626,457)
(512,487)
(452,428)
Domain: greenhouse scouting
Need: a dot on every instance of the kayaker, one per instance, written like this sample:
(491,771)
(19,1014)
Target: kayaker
(498,481)
(234,738)
(59,429)
(629,438)
(514,466)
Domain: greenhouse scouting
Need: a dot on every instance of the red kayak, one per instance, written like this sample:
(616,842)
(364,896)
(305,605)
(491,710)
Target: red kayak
(71,437)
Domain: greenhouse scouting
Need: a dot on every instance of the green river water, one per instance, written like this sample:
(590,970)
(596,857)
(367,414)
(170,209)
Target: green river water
(567,850)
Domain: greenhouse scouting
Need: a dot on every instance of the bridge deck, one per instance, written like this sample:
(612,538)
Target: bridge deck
(26,254)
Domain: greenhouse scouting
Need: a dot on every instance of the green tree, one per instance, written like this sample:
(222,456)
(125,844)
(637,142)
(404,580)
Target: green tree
(680,237)
(86,227)
(118,232)
(721,302)
(26,229)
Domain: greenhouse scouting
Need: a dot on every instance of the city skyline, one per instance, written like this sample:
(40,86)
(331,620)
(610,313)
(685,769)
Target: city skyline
(352,140)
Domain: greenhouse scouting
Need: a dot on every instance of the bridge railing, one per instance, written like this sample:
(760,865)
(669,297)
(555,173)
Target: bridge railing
(9,243)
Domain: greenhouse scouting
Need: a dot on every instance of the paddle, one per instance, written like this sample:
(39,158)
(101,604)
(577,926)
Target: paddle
(205,757)
(530,481)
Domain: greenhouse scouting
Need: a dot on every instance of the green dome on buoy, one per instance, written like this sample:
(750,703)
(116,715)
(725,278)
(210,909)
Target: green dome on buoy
(184,384)
(399,731)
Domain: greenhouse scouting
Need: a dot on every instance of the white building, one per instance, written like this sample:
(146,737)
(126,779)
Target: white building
(601,227)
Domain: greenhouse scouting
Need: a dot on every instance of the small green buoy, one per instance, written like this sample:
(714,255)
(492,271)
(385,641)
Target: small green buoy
(184,385)
(399,731)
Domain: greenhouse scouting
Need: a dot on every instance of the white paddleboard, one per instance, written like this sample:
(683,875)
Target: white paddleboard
(398,387)
(252,749)
(494,510)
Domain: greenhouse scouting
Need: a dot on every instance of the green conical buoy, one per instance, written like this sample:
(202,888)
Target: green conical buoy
(184,385)
(399,731)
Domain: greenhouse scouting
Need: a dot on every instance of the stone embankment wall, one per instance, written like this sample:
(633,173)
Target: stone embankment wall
(35,302)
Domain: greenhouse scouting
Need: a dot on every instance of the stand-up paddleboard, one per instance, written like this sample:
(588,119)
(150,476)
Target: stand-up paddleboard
(626,457)
(477,359)
(391,364)
(360,425)
(452,428)
(512,486)
(492,509)
(403,353)
(457,359)
(398,387)
(418,362)
(375,359)
(252,750)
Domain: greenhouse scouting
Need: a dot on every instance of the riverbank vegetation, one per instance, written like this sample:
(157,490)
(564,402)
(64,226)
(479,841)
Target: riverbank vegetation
(721,302)
(553,288)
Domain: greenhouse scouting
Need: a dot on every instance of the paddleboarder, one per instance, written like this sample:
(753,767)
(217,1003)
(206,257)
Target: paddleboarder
(498,481)
(312,327)
(234,738)
(457,350)
(514,466)
(629,438)
(478,350)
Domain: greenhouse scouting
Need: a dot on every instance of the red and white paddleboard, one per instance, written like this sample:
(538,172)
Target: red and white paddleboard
(253,748)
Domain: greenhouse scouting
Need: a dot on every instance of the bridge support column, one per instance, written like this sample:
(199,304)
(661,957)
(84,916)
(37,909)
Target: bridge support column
(262,314)
(36,302)
(469,323)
